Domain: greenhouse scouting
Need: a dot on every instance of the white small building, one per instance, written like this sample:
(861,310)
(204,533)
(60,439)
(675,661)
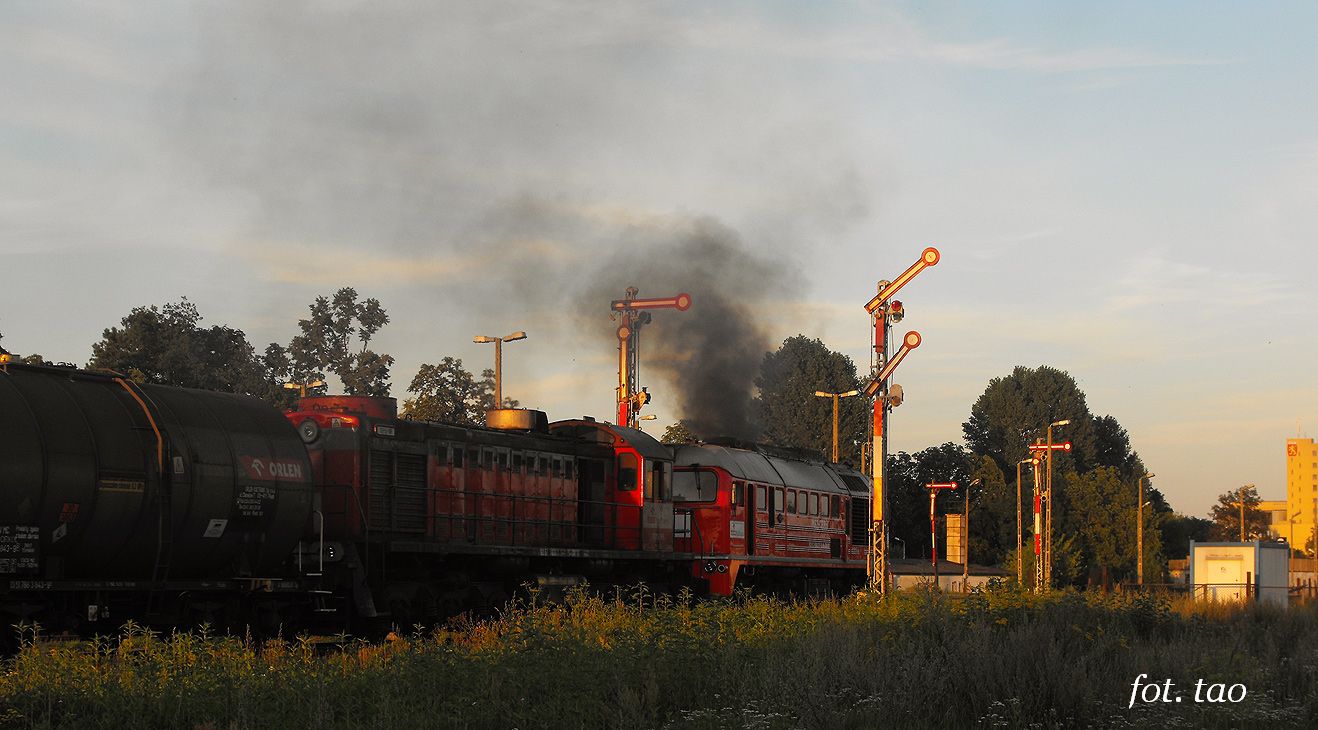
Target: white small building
(1240,571)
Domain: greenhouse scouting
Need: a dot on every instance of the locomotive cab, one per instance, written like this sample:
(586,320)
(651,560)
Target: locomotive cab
(636,504)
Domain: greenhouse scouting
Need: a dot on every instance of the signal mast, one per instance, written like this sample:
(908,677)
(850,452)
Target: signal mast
(883,310)
(633,314)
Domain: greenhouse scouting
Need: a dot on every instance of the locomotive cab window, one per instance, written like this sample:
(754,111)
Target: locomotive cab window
(501,458)
(568,468)
(791,501)
(778,501)
(517,462)
(695,486)
(761,504)
(626,472)
(737,488)
(457,457)
(836,511)
(814,504)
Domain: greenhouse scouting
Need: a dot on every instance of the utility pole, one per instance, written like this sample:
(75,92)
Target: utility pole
(1140,530)
(836,398)
(1020,537)
(630,309)
(883,309)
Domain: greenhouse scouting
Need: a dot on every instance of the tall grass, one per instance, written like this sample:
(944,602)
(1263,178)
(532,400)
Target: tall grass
(915,659)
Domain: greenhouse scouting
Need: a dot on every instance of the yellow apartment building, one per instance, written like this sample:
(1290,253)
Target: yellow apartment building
(1278,526)
(1301,490)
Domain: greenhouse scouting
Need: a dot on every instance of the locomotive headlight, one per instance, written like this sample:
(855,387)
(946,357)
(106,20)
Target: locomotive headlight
(309,430)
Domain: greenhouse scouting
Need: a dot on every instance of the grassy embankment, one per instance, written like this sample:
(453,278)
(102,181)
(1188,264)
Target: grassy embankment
(917,659)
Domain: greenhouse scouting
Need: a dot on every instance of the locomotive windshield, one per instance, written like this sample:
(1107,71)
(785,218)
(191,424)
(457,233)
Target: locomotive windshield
(695,486)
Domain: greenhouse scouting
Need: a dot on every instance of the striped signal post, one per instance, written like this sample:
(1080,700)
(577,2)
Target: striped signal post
(883,310)
(933,523)
(1043,535)
(632,310)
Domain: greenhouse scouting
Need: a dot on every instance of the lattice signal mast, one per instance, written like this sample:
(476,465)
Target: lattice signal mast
(632,311)
(885,310)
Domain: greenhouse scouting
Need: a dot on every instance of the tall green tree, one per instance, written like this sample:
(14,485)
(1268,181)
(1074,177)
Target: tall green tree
(336,338)
(448,393)
(789,412)
(679,433)
(1015,410)
(1102,513)
(908,500)
(1178,530)
(1226,516)
(167,345)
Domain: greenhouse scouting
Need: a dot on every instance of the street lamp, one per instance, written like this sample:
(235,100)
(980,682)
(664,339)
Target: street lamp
(1020,536)
(836,397)
(1048,554)
(965,527)
(302,388)
(498,360)
(1242,510)
(903,542)
(1139,528)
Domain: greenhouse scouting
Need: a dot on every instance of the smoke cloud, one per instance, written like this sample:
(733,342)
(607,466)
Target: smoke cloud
(709,355)
(531,166)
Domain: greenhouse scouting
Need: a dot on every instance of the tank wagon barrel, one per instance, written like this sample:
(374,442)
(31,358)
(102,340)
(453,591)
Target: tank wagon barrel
(106,482)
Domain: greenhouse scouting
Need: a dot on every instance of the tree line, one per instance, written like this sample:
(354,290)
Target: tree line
(169,345)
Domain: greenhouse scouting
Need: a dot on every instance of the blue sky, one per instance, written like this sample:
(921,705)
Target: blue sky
(1123,191)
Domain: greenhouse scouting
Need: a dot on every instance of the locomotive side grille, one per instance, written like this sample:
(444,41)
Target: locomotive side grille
(379,480)
(860,523)
(410,493)
(397,491)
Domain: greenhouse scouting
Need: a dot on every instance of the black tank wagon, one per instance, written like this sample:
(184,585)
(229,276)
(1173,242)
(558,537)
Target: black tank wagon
(112,493)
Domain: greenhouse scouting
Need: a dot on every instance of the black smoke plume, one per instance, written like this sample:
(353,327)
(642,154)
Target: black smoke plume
(708,356)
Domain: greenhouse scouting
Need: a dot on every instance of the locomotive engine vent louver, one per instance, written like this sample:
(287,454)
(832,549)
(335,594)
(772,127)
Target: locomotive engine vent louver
(517,419)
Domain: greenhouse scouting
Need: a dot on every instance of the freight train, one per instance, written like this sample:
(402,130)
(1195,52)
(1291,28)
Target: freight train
(175,506)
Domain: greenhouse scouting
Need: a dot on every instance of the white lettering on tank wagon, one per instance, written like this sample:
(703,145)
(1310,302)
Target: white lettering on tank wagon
(271,469)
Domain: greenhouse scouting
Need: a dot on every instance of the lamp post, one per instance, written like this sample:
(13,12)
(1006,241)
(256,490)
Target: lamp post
(1020,536)
(1242,510)
(836,398)
(302,388)
(498,360)
(1139,529)
(1048,530)
(965,535)
(933,523)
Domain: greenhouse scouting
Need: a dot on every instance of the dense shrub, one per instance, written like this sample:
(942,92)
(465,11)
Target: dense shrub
(914,659)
